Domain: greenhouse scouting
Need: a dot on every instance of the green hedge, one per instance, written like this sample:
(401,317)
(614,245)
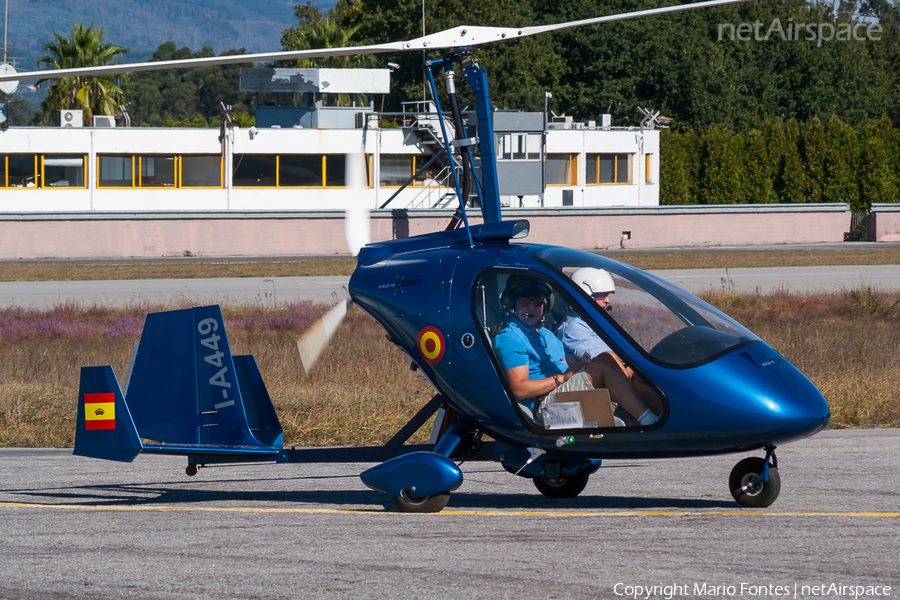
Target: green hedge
(782,163)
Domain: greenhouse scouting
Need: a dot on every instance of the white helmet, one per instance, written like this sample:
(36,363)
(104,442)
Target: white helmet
(594,281)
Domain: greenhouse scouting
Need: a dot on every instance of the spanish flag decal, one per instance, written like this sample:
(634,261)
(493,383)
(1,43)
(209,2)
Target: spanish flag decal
(431,345)
(100,411)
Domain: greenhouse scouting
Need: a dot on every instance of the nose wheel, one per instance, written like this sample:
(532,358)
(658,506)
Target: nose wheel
(425,504)
(754,482)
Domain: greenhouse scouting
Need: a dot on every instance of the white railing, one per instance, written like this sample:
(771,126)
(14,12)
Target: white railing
(435,193)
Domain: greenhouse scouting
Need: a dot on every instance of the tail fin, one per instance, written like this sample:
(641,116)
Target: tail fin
(105,428)
(184,388)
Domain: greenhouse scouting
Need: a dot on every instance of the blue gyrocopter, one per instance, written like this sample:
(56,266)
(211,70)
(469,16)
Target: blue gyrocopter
(708,384)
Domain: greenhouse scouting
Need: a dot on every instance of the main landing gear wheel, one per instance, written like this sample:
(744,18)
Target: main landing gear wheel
(563,487)
(759,495)
(422,504)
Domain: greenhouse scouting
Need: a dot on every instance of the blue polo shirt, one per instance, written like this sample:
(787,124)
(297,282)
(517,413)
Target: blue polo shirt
(517,345)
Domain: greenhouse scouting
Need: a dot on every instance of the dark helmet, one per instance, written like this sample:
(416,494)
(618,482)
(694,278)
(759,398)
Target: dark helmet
(525,286)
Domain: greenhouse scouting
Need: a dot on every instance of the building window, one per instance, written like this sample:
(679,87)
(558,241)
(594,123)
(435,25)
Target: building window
(42,171)
(63,172)
(519,146)
(116,171)
(300,170)
(201,171)
(291,170)
(648,170)
(397,169)
(21,170)
(336,170)
(608,168)
(561,169)
(155,171)
(255,170)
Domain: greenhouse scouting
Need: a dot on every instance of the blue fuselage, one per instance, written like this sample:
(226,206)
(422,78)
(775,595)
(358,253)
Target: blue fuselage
(427,294)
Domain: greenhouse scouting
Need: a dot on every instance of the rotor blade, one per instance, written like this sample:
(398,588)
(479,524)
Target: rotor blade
(463,35)
(204,62)
(632,15)
(357,227)
(315,340)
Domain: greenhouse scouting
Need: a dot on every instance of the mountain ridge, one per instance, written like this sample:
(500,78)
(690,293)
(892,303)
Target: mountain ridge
(143,26)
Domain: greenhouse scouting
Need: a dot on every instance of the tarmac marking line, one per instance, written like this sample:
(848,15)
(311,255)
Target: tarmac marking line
(487,513)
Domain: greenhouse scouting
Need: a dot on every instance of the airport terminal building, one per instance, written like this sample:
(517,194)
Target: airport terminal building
(295,158)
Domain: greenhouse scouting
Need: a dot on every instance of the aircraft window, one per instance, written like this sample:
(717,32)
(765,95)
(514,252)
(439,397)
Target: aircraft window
(516,339)
(667,324)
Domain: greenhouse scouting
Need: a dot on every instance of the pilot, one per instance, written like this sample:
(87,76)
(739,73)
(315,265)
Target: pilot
(534,360)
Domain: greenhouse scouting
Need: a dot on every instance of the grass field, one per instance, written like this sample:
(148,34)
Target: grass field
(362,390)
(345,266)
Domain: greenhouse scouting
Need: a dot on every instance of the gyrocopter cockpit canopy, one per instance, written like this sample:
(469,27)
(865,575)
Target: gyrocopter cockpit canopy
(669,326)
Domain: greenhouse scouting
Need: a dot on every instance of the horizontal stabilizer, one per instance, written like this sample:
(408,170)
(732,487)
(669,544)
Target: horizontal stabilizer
(104,427)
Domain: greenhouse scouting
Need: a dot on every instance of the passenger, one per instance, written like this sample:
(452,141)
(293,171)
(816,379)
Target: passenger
(580,340)
(534,360)
(583,343)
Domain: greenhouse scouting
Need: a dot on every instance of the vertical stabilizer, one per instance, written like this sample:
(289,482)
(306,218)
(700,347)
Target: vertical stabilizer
(184,386)
(104,427)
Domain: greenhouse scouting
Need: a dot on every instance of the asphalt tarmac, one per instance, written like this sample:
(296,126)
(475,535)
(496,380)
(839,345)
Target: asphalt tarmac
(278,291)
(74,527)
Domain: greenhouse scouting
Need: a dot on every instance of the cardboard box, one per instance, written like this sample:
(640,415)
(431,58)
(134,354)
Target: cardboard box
(595,406)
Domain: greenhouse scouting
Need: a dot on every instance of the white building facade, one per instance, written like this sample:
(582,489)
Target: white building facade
(146,169)
(291,162)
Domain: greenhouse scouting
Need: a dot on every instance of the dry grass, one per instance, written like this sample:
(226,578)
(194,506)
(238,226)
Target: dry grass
(186,270)
(739,260)
(345,266)
(847,343)
(362,390)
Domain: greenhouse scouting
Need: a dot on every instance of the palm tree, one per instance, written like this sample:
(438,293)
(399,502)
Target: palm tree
(94,95)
